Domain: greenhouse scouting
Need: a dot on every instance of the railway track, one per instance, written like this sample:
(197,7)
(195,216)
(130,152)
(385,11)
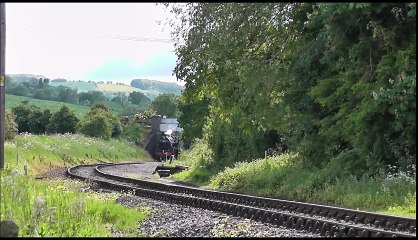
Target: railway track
(325,220)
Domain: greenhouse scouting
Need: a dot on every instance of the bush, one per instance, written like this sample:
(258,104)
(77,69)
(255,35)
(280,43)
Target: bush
(99,122)
(96,126)
(10,126)
(132,132)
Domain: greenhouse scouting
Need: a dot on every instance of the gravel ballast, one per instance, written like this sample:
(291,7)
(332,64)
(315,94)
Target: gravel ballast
(174,220)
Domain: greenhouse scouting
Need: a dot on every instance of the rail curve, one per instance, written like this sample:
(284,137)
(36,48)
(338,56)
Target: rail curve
(325,220)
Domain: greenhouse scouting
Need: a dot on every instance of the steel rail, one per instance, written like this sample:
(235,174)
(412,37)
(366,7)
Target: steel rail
(325,227)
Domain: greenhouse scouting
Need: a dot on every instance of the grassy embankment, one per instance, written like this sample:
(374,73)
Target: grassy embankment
(281,177)
(57,207)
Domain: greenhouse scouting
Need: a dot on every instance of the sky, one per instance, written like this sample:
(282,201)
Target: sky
(90,41)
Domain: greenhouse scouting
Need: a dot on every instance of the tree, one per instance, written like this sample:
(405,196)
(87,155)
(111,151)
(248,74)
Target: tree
(68,95)
(23,113)
(63,121)
(192,119)
(336,80)
(91,97)
(96,125)
(137,97)
(105,124)
(120,98)
(38,121)
(166,104)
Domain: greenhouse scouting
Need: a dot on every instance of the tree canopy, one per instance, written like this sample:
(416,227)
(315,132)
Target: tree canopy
(337,81)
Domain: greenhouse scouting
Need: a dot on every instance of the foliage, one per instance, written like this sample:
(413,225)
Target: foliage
(59,209)
(10,126)
(41,152)
(192,119)
(96,125)
(99,122)
(80,110)
(132,132)
(162,87)
(285,176)
(22,113)
(38,121)
(335,80)
(67,95)
(166,104)
(230,143)
(63,121)
(92,97)
(137,97)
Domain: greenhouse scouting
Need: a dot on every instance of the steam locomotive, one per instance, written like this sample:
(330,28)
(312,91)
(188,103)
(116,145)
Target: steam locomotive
(164,141)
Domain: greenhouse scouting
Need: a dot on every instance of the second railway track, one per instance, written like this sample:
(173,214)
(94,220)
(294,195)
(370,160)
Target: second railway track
(325,220)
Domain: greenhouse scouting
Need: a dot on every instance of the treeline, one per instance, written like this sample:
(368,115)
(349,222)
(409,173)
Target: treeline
(164,87)
(98,122)
(40,89)
(334,82)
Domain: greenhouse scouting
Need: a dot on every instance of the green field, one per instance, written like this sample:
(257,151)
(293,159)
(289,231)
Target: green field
(80,86)
(13,100)
(105,87)
(54,106)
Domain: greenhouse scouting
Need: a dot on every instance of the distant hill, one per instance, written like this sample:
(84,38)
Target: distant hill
(25,77)
(162,87)
(151,88)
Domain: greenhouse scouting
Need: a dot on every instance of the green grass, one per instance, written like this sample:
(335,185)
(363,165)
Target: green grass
(40,152)
(59,209)
(13,100)
(281,176)
(80,86)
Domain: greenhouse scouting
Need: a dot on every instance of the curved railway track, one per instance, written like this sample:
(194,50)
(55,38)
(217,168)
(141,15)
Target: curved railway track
(325,220)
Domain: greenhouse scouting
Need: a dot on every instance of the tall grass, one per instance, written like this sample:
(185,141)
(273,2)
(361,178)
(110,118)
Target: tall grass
(57,209)
(283,177)
(40,152)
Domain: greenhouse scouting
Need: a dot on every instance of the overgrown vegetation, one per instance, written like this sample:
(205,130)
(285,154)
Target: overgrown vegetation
(59,209)
(334,83)
(41,152)
(284,176)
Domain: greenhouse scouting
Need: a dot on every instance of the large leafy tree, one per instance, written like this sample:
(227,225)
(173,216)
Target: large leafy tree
(22,113)
(336,80)
(101,123)
(63,121)
(137,97)
(166,104)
